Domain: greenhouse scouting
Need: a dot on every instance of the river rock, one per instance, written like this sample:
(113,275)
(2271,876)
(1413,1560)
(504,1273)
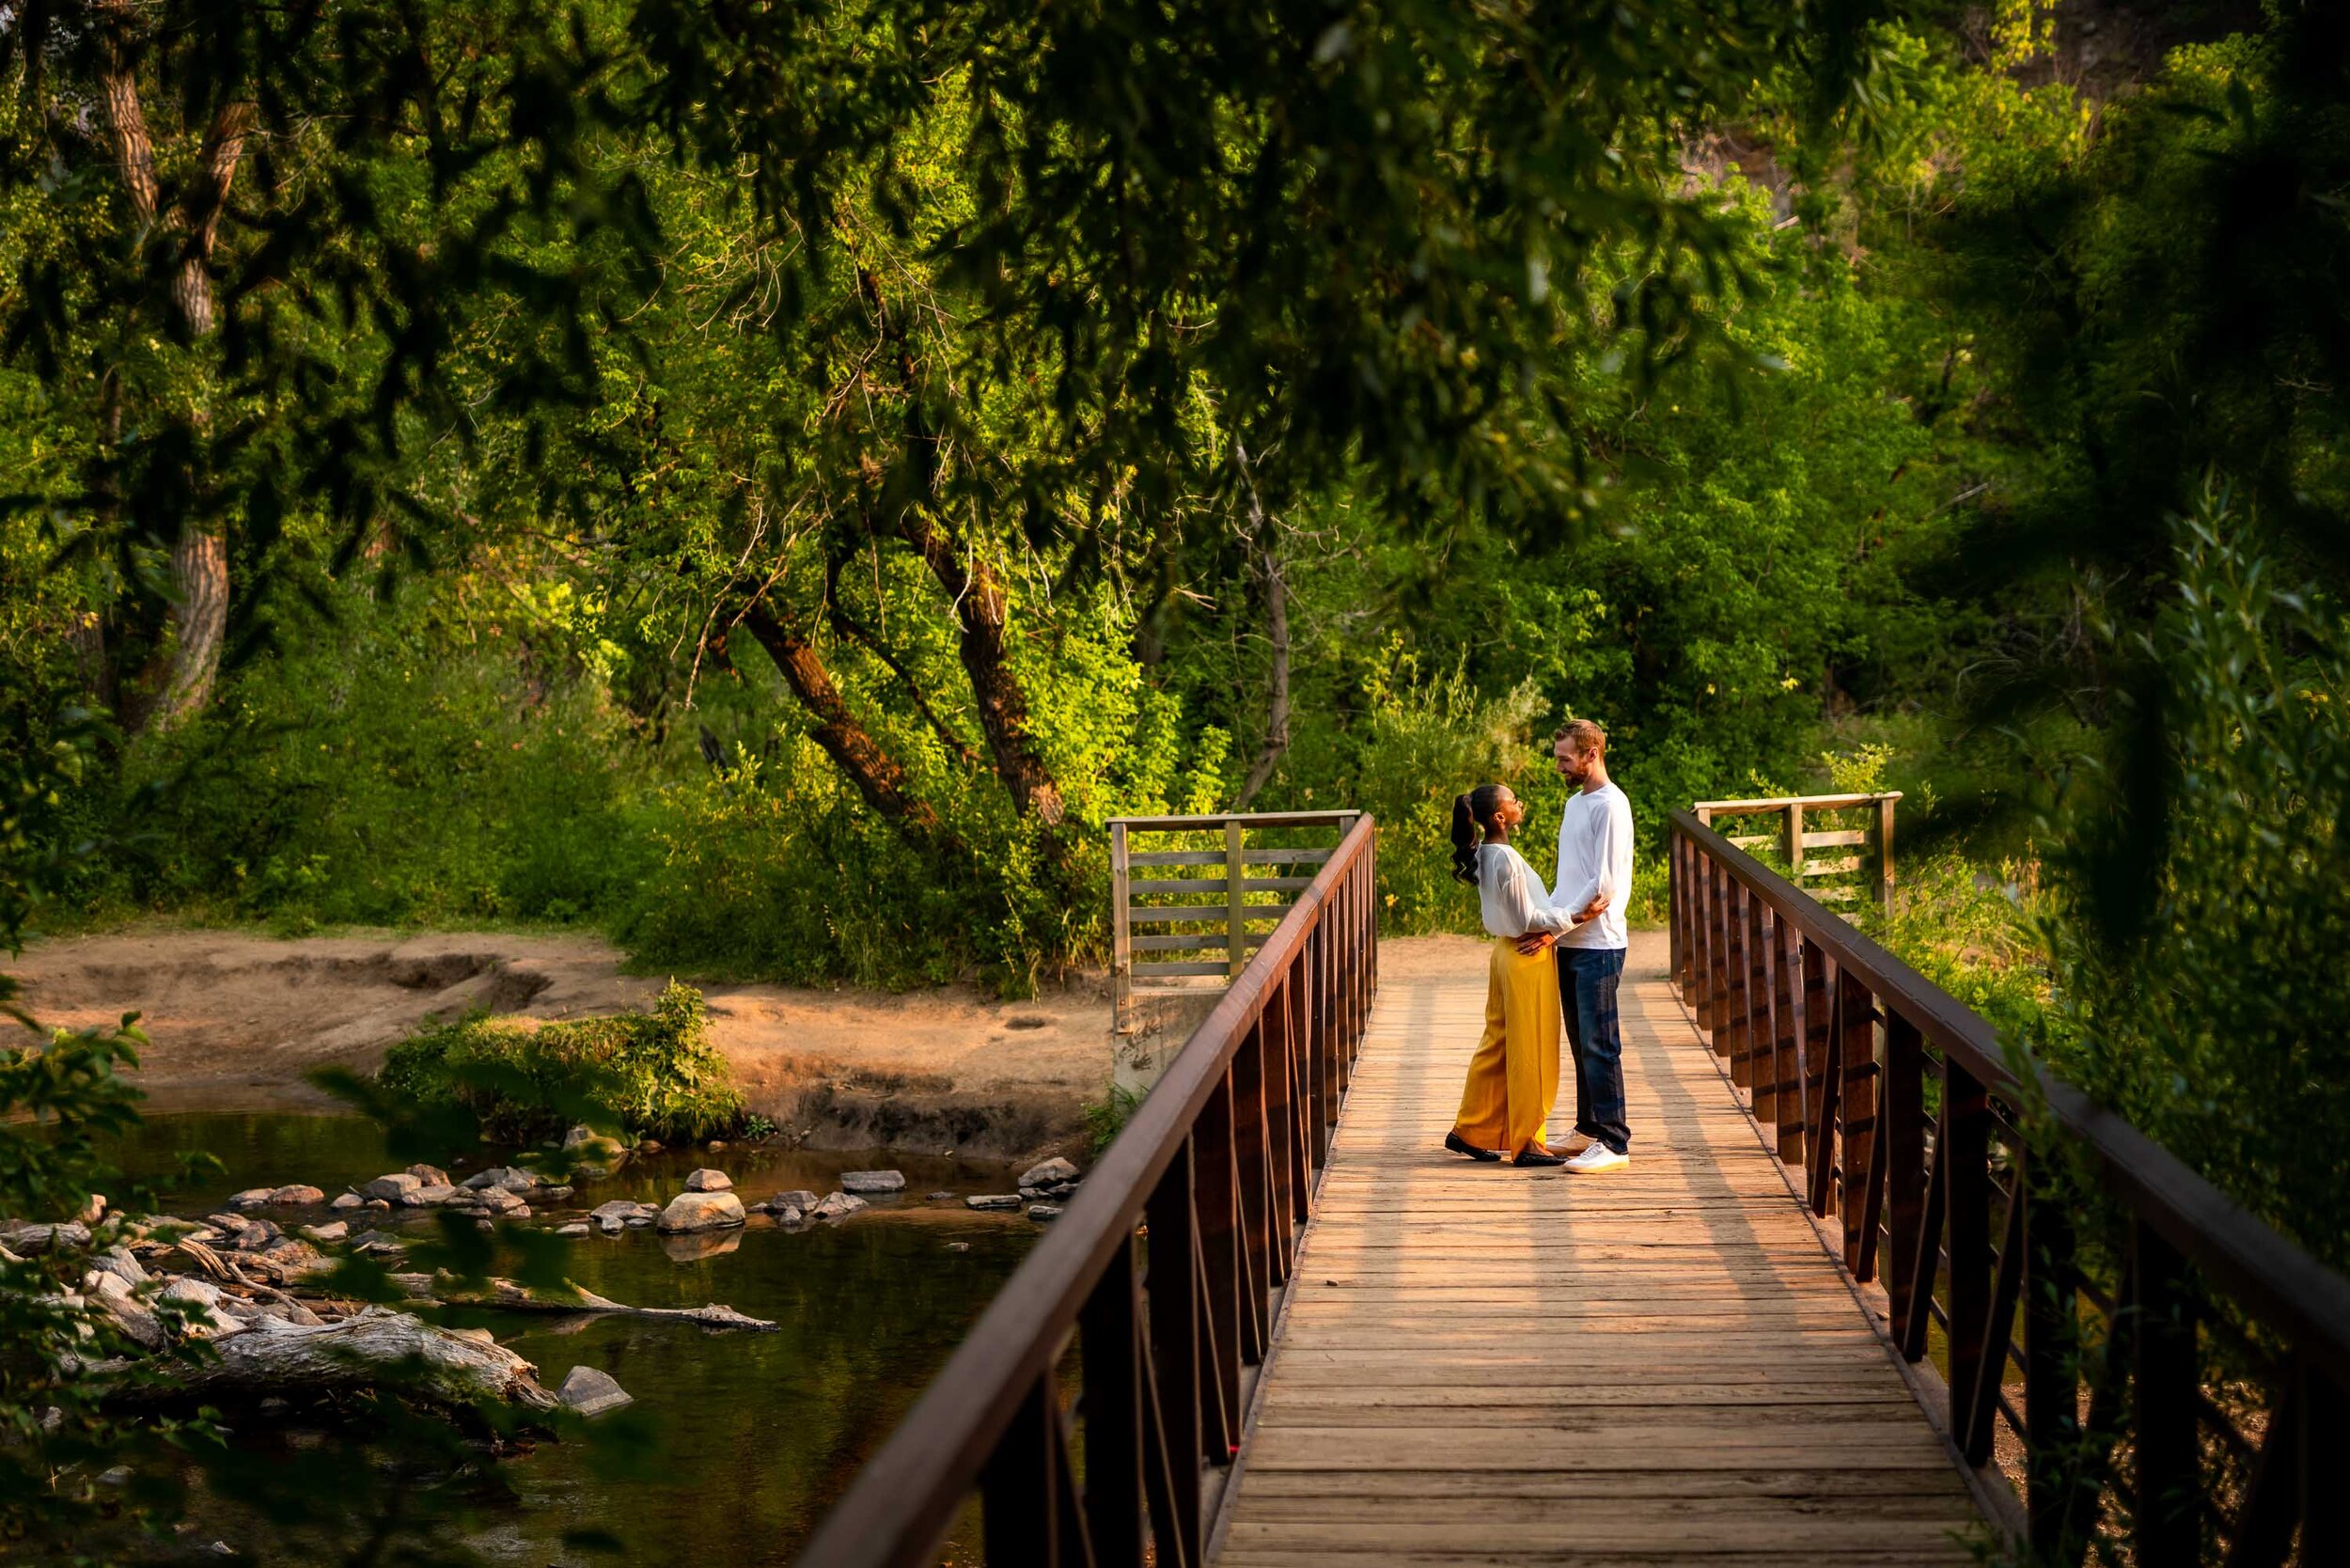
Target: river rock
(798,1197)
(347,1201)
(392,1188)
(590,1392)
(297,1194)
(786,1214)
(702,1211)
(992,1200)
(941,1196)
(576,1228)
(1043,1211)
(430,1175)
(258,1236)
(508,1178)
(707,1179)
(835,1206)
(427,1198)
(93,1210)
(1052,1174)
(872,1183)
(251,1197)
(495,1200)
(333,1232)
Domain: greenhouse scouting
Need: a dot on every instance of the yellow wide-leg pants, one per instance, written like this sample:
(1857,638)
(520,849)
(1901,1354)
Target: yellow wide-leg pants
(1513,1077)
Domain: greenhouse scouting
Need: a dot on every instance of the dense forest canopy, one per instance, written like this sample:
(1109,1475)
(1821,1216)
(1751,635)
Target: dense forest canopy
(768,482)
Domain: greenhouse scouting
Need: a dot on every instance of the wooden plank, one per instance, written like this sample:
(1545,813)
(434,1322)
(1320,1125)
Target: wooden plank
(1202,914)
(1253,854)
(1155,971)
(1218,884)
(1483,1364)
(1810,841)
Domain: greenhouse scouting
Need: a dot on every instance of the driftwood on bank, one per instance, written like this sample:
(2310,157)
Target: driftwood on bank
(375,1349)
(507,1295)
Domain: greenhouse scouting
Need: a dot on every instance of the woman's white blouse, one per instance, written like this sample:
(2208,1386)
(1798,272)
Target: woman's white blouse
(1510,897)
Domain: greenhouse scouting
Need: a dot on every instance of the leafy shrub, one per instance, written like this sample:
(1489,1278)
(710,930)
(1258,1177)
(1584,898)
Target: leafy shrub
(651,1075)
(2199,906)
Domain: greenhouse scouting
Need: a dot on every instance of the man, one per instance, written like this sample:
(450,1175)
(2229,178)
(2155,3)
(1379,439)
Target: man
(1594,880)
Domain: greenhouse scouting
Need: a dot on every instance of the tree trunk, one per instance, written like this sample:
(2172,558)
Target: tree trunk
(876,775)
(198,623)
(981,615)
(1265,561)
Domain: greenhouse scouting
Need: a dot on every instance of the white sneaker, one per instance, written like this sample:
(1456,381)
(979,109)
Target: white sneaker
(1598,1157)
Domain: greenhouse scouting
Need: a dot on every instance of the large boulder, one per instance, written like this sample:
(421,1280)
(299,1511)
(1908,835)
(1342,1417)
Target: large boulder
(1052,1174)
(798,1197)
(707,1179)
(392,1188)
(872,1184)
(702,1211)
(586,1391)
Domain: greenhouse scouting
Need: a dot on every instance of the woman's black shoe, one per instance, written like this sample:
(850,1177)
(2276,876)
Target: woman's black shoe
(1536,1157)
(1460,1145)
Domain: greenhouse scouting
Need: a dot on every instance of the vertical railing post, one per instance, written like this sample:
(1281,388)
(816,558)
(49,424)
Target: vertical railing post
(1737,1010)
(1215,1175)
(1795,843)
(1121,935)
(2168,1385)
(1020,1503)
(2052,1457)
(1280,1122)
(1235,903)
(1967,1220)
(1787,987)
(1762,1022)
(1175,1320)
(1253,1166)
(1857,1100)
(1109,1332)
(1902,1125)
(1884,853)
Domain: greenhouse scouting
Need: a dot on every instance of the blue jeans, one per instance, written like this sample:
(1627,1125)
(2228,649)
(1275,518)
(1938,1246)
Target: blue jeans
(1587,995)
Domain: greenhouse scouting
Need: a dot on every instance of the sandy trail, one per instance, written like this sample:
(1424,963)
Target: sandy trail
(237,1019)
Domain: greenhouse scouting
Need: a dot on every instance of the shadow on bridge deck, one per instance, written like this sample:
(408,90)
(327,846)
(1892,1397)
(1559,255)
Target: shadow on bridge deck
(1479,1364)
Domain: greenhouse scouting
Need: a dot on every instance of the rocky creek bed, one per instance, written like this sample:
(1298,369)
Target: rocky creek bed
(849,1301)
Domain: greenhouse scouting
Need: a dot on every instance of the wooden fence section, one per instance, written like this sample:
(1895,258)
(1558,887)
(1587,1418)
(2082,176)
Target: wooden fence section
(1168,1271)
(2180,1389)
(1209,892)
(1865,867)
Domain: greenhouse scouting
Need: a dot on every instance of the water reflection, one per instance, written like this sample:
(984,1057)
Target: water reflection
(751,1434)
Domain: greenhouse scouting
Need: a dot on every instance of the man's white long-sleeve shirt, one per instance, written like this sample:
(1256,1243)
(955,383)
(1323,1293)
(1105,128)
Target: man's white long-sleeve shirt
(1595,858)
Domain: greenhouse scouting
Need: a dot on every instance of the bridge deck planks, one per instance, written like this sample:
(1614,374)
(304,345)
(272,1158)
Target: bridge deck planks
(1482,1365)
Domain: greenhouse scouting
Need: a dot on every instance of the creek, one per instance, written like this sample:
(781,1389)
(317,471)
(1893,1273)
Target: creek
(737,1442)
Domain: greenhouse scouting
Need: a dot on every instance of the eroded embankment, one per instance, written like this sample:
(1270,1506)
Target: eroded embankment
(236,1021)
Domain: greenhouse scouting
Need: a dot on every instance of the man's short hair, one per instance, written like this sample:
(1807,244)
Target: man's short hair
(1583,735)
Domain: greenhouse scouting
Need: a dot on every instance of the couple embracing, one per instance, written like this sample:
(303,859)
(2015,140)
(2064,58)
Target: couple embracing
(1557,951)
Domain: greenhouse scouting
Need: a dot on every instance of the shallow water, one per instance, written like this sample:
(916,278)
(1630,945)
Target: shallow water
(752,1435)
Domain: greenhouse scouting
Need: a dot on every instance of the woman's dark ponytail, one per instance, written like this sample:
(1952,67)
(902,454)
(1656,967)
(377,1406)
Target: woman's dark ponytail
(1471,812)
(1463,840)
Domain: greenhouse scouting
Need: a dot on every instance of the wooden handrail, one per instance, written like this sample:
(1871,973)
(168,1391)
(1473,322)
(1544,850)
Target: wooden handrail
(1218,1164)
(1835,1037)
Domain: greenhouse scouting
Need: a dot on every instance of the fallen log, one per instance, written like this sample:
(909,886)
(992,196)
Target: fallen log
(375,1349)
(507,1295)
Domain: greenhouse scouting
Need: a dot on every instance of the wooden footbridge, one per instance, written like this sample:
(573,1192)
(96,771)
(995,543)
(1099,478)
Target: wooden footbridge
(1846,1303)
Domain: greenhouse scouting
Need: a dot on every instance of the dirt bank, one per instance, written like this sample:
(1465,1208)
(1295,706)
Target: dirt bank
(237,1019)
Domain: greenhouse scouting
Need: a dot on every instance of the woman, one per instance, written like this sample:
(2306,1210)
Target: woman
(1513,1077)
